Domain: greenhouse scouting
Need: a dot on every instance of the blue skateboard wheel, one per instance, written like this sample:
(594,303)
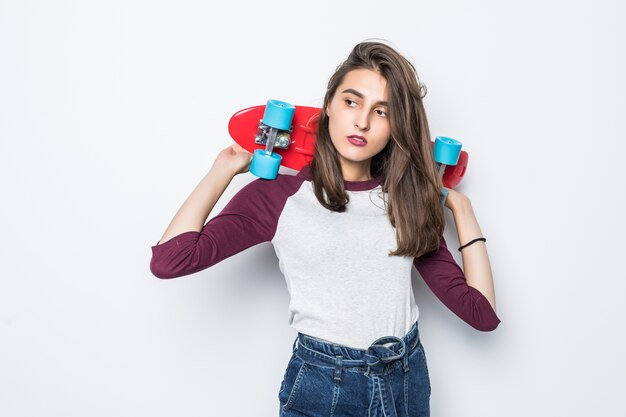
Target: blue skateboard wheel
(264,165)
(447,150)
(278,114)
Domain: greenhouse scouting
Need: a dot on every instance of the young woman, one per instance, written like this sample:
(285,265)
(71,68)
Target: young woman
(347,230)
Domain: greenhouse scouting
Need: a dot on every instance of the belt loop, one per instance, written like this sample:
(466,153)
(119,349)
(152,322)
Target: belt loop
(407,351)
(338,359)
(293,348)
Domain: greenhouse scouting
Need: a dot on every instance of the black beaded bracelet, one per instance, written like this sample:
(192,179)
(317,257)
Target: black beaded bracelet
(475,240)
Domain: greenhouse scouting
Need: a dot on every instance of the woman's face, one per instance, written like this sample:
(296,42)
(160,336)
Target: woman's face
(359,108)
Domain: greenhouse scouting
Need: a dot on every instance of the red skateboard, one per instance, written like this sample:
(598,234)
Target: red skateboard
(279,133)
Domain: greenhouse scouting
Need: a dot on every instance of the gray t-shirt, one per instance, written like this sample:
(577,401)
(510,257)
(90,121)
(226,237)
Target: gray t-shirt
(343,286)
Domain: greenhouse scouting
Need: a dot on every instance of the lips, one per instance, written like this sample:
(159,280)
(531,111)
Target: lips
(357,140)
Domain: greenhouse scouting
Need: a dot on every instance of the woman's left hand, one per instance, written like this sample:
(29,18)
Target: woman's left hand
(456,199)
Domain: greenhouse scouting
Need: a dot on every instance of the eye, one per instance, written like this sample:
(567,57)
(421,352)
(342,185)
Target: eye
(384,113)
(348,101)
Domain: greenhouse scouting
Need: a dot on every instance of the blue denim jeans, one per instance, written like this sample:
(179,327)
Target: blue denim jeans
(388,379)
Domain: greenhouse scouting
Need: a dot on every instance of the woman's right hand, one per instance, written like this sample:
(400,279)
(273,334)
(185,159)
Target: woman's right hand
(235,158)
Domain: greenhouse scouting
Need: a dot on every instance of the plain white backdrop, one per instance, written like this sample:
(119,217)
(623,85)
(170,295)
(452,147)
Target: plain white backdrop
(112,111)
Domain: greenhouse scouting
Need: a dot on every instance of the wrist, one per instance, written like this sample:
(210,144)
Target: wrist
(459,203)
(223,169)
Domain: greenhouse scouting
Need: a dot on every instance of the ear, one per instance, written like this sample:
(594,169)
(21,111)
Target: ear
(326,111)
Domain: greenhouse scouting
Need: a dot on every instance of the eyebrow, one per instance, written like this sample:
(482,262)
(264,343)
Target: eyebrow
(356,93)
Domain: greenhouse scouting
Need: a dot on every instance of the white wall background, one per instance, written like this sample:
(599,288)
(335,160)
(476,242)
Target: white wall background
(112,111)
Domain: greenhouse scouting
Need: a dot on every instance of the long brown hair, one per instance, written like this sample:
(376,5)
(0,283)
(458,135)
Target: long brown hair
(406,166)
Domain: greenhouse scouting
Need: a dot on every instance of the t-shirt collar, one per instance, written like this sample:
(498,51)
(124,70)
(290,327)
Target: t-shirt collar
(349,185)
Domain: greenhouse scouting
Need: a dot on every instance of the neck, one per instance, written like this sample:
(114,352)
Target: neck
(356,171)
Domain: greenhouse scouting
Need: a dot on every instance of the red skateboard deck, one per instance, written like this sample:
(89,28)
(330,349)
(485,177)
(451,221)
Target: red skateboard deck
(243,126)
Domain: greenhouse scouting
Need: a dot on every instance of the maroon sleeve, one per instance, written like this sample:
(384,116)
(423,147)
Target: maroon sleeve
(248,219)
(447,281)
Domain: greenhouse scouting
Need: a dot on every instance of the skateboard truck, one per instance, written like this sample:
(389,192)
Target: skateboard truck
(273,131)
(446,152)
(282,137)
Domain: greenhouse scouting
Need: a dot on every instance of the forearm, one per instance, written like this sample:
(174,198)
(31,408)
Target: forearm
(196,209)
(476,266)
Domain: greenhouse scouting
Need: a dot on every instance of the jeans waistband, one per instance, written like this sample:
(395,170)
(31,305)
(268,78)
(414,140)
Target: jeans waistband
(376,358)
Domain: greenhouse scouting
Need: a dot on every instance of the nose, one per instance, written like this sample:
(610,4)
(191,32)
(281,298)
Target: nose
(362,120)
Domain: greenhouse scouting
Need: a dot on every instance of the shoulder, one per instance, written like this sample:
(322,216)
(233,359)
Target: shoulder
(259,192)
(283,184)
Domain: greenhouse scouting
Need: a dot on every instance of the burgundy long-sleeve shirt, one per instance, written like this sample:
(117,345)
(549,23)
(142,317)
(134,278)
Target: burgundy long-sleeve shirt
(343,286)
